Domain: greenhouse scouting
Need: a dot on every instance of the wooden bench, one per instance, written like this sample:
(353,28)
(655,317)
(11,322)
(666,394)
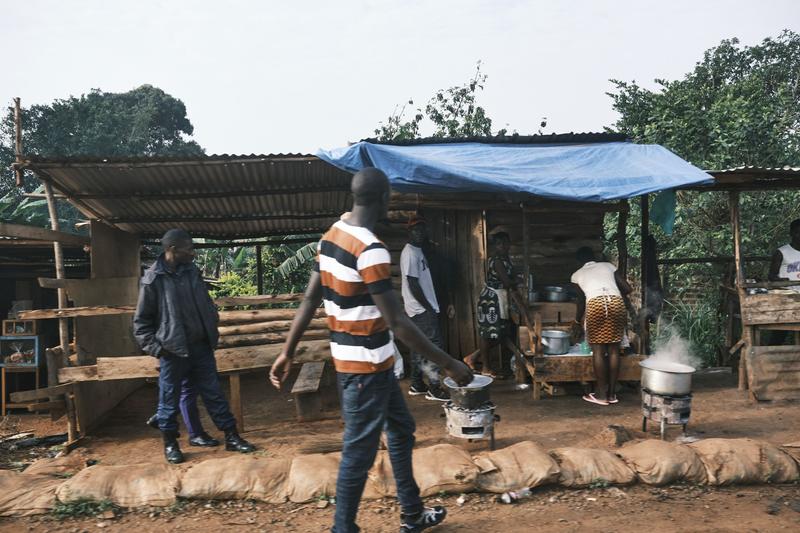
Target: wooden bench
(306,391)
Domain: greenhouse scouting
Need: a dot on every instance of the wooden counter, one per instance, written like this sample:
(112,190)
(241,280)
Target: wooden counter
(565,368)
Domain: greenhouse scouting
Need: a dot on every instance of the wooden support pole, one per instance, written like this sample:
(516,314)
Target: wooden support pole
(236,400)
(18,141)
(72,419)
(622,239)
(644,320)
(747,331)
(259,269)
(526,258)
(63,323)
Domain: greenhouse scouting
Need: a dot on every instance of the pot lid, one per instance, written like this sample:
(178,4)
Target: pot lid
(479,381)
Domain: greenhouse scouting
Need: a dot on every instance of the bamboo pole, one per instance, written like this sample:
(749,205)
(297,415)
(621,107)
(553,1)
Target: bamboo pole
(58,252)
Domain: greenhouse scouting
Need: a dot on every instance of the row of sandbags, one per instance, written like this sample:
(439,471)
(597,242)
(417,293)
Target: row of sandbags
(440,468)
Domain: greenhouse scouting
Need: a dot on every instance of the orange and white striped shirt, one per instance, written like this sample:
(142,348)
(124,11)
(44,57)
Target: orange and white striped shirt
(353,265)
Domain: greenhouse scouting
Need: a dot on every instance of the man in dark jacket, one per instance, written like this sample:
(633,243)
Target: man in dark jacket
(176,321)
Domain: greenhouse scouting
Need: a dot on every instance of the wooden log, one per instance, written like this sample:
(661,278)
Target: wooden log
(71,312)
(228,360)
(269,327)
(47,406)
(230,341)
(228,318)
(39,394)
(262,299)
(22,231)
(77,373)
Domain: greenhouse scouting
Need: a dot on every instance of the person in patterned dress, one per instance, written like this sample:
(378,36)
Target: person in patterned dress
(494,303)
(601,301)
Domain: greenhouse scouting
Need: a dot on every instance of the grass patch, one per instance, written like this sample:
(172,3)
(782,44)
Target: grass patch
(79,508)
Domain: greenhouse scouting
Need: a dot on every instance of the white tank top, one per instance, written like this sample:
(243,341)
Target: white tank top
(596,279)
(790,265)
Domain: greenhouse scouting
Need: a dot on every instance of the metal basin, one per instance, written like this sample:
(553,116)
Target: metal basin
(555,341)
(552,293)
(664,377)
(471,396)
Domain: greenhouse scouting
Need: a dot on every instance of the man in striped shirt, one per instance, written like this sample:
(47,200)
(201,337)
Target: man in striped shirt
(352,278)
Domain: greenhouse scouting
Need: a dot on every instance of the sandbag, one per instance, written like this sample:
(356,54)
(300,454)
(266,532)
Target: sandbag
(124,485)
(730,461)
(657,462)
(380,480)
(312,476)
(63,466)
(25,495)
(238,477)
(582,467)
(523,465)
(444,468)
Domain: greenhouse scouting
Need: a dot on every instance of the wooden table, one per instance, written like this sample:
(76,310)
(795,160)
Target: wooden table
(565,368)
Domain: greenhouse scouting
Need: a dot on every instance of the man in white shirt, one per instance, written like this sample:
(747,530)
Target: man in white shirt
(785,264)
(421,305)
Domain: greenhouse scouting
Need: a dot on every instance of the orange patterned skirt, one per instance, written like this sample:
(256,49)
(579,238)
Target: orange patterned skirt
(605,319)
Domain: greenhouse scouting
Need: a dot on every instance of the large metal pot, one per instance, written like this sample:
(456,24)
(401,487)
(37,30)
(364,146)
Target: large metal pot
(555,341)
(665,377)
(552,293)
(471,396)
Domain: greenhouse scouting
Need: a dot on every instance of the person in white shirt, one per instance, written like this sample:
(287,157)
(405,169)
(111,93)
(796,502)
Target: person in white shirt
(601,293)
(785,265)
(421,305)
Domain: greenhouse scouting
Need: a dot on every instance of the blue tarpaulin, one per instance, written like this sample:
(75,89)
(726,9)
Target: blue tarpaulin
(592,172)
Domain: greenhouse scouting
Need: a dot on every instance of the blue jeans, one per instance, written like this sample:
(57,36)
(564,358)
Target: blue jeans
(189,412)
(370,402)
(428,324)
(201,369)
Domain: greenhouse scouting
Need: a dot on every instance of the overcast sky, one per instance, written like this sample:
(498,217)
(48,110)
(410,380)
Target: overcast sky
(278,77)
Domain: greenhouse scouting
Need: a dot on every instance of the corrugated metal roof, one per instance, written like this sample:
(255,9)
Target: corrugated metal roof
(220,196)
(753,178)
(551,138)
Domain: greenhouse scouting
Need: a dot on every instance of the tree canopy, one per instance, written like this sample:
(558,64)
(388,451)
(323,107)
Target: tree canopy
(145,121)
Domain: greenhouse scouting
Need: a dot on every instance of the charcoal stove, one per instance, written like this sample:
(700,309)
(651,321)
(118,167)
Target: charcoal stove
(665,409)
(472,424)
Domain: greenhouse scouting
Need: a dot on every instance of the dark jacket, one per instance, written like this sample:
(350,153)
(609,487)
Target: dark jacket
(157,325)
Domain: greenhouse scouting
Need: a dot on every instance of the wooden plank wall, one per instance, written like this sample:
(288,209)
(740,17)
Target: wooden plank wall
(459,268)
(115,254)
(554,237)
(773,372)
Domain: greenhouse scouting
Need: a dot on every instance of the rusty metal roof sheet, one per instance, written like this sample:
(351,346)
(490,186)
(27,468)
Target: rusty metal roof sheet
(220,196)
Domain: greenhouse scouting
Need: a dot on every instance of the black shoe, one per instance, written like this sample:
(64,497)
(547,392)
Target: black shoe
(437,394)
(429,517)
(235,443)
(205,440)
(171,449)
(153,422)
(417,390)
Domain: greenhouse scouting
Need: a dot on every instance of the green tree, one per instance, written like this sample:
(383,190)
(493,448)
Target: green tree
(451,112)
(143,122)
(740,105)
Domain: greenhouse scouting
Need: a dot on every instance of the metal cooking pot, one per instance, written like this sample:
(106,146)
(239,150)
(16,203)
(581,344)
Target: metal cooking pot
(471,396)
(553,293)
(665,377)
(555,341)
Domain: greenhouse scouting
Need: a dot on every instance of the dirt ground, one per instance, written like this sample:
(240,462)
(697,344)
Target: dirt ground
(719,410)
